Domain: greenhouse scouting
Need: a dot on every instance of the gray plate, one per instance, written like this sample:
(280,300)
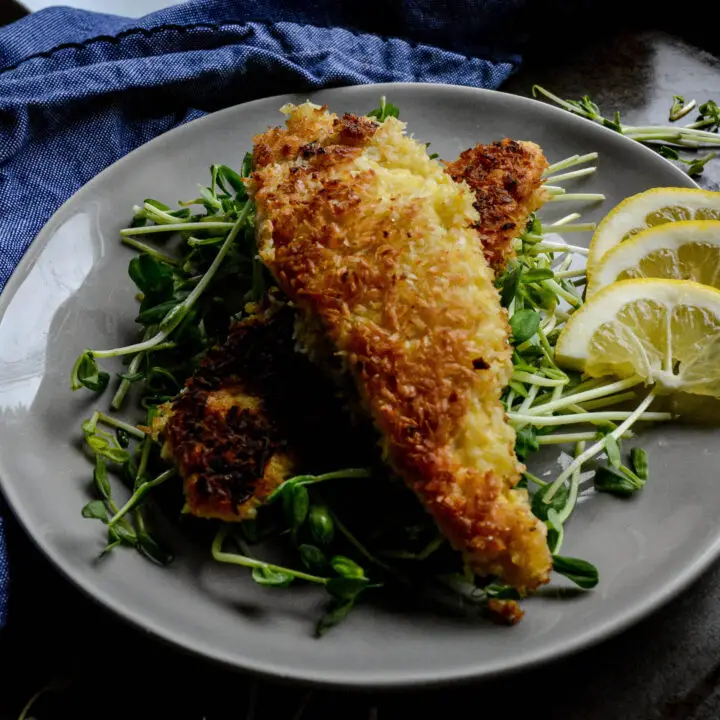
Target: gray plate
(71,291)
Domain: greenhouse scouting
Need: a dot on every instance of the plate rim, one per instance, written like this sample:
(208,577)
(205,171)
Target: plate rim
(401,679)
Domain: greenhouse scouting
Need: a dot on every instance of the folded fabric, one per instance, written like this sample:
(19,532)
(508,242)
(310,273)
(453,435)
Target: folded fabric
(79,90)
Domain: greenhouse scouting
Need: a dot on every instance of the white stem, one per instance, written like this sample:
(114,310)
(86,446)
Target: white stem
(566,219)
(611,400)
(570,162)
(598,446)
(555,287)
(588,417)
(539,380)
(178,227)
(571,274)
(563,438)
(592,197)
(574,174)
(554,189)
(162,217)
(658,129)
(530,399)
(510,399)
(591,394)
(565,513)
(560,247)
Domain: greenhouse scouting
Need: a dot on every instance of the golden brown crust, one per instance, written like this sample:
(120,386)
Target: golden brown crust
(253,412)
(507,612)
(506,179)
(374,241)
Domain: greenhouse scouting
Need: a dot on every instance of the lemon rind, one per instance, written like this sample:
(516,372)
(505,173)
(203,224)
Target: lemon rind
(574,340)
(669,236)
(616,224)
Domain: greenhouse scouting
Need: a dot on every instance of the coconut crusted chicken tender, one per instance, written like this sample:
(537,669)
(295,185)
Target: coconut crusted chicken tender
(249,417)
(374,244)
(506,179)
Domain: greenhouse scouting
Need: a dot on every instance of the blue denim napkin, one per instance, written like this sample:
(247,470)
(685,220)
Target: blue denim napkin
(79,90)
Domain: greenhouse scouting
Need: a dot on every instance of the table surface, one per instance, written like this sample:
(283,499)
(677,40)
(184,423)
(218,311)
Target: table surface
(665,667)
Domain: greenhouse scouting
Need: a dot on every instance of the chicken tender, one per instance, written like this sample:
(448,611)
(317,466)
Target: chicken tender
(248,418)
(375,245)
(506,180)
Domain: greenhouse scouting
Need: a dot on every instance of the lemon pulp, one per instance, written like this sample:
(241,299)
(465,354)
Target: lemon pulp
(665,331)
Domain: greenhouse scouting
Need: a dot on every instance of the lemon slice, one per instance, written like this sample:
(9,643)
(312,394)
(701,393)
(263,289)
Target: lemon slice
(665,331)
(650,208)
(685,250)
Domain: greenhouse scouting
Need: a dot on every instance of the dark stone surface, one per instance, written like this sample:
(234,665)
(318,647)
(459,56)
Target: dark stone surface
(666,667)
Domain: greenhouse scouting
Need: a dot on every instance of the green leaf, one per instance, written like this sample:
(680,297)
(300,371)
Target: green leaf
(152,277)
(97,443)
(616,482)
(273,578)
(122,533)
(335,614)
(131,377)
(312,557)
(156,313)
(100,477)
(540,508)
(139,219)
(157,204)
(385,110)
(300,505)
(322,526)
(639,460)
(526,441)
(100,445)
(346,567)
(524,324)
(247,164)
(581,572)
(677,105)
(346,588)
(230,181)
(697,166)
(518,388)
(509,283)
(89,375)
(710,111)
(209,199)
(537,274)
(95,510)
(556,531)
(613,124)
(540,296)
(160,379)
(501,592)
(668,152)
(151,550)
(533,224)
(116,455)
(680,108)
(612,448)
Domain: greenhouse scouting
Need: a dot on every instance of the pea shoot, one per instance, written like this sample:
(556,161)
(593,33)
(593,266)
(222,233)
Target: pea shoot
(665,139)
